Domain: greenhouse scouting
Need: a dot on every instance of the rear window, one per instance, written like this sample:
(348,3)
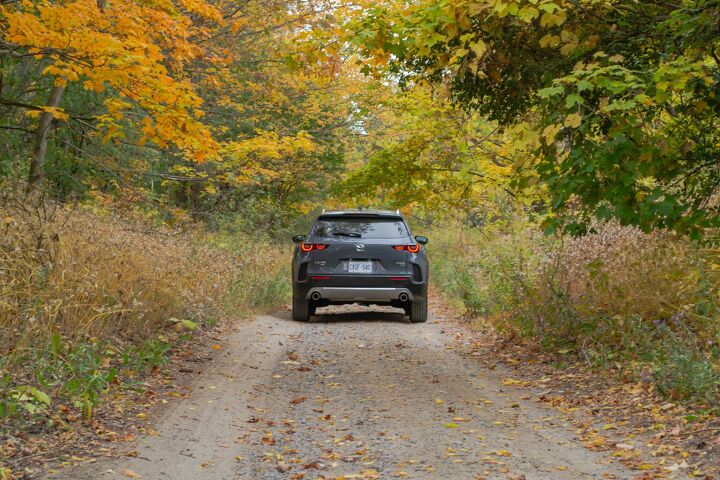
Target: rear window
(359,227)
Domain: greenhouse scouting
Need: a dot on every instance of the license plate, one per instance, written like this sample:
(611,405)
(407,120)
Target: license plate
(359,267)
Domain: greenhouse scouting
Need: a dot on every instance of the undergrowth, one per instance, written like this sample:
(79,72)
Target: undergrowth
(619,298)
(90,299)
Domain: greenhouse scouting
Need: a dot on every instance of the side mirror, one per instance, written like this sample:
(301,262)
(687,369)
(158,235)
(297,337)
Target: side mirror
(299,238)
(421,240)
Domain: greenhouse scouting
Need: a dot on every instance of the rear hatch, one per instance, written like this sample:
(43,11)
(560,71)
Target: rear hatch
(358,245)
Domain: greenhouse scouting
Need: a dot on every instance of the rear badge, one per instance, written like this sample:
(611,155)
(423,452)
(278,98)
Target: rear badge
(360,247)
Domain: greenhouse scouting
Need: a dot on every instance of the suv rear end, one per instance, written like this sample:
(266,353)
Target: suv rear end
(360,256)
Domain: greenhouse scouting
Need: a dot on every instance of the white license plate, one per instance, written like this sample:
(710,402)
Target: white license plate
(359,267)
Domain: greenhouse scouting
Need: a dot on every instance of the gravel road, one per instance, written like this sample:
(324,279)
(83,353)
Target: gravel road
(358,393)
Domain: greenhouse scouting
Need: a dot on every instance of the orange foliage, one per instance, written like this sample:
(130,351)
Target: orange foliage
(133,49)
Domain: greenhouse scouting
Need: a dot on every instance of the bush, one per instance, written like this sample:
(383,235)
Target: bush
(265,266)
(488,270)
(85,295)
(651,299)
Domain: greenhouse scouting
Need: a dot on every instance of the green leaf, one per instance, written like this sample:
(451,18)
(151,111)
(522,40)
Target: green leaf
(550,91)
(572,100)
(40,396)
(583,85)
(528,14)
(189,324)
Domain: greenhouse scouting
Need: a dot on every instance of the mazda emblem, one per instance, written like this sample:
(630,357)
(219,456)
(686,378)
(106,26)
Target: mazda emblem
(360,247)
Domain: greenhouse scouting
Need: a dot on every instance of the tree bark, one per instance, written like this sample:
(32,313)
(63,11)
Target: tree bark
(37,162)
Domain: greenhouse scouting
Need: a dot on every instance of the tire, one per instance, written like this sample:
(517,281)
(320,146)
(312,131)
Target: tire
(419,311)
(300,309)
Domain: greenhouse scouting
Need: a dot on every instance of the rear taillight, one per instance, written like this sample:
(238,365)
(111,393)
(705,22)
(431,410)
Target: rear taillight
(309,247)
(414,248)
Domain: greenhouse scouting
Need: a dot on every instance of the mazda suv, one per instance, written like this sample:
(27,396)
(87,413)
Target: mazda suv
(360,256)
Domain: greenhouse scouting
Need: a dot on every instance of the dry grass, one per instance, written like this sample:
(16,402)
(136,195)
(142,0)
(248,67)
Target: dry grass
(627,277)
(651,300)
(91,301)
(85,275)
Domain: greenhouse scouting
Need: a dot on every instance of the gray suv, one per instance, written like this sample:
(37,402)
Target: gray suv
(360,256)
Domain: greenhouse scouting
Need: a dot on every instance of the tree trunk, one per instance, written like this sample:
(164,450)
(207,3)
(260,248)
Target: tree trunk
(37,162)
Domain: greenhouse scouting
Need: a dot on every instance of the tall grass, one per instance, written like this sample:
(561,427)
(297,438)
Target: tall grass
(87,295)
(618,294)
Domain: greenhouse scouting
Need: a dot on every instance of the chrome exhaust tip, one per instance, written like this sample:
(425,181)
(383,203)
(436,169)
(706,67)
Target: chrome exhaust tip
(315,296)
(403,297)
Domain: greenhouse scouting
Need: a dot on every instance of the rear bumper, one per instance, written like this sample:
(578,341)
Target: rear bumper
(366,294)
(360,288)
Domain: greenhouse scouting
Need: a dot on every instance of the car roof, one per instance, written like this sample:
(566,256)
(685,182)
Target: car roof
(360,212)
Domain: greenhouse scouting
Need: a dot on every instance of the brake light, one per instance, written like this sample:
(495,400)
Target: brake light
(309,247)
(414,248)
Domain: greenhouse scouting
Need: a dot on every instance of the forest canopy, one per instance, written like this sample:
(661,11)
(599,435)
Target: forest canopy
(573,109)
(621,98)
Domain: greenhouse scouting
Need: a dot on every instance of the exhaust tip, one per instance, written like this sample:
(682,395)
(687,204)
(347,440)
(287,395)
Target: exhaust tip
(315,296)
(403,297)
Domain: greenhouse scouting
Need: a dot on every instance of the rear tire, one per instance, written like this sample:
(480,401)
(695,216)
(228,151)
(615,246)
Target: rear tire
(300,309)
(419,311)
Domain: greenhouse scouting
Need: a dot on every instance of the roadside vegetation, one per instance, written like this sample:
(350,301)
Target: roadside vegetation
(91,298)
(642,305)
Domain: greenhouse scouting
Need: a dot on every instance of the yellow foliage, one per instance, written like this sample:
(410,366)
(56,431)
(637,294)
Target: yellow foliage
(130,48)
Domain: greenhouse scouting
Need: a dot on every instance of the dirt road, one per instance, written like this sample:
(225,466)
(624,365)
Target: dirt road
(354,395)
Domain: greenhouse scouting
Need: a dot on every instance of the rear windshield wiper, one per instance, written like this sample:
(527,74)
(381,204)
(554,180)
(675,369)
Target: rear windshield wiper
(346,234)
